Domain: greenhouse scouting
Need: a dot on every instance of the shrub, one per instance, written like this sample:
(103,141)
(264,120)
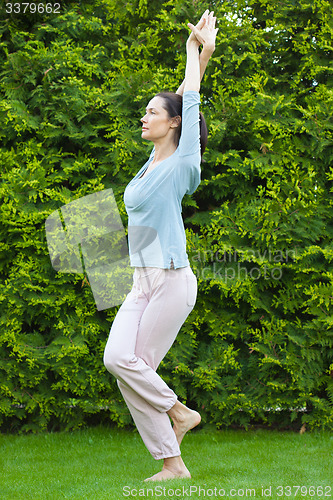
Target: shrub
(257,348)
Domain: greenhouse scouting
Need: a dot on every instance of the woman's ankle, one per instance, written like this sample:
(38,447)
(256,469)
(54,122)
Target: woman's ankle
(174,464)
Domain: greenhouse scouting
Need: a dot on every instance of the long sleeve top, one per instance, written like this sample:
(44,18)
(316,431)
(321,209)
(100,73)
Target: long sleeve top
(156,233)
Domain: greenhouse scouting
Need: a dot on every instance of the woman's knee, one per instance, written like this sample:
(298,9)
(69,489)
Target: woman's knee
(110,360)
(115,362)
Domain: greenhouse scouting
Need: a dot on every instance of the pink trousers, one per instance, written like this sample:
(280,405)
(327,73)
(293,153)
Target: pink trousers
(143,331)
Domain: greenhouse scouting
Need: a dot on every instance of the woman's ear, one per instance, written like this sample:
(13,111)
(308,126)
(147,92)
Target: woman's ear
(175,121)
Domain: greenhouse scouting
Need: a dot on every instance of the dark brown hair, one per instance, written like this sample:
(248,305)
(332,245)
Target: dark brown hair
(173,104)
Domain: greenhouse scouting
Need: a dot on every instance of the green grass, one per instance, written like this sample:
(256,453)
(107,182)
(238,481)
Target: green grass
(101,463)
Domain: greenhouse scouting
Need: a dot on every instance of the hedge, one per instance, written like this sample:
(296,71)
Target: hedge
(257,348)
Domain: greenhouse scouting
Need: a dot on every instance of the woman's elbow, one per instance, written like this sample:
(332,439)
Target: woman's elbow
(192,86)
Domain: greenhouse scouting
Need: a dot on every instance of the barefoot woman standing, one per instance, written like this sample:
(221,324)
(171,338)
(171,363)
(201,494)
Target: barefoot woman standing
(164,286)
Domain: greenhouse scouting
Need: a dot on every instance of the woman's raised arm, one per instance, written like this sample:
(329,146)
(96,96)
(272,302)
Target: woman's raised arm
(192,70)
(203,33)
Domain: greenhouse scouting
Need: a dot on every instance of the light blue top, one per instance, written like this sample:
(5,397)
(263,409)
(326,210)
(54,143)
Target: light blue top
(156,233)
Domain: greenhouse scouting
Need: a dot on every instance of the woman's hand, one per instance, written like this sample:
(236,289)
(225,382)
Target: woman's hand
(204,32)
(192,38)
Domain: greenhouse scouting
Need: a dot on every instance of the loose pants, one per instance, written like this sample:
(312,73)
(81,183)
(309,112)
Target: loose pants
(143,331)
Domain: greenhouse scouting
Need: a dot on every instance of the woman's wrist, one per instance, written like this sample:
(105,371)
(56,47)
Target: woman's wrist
(192,43)
(207,51)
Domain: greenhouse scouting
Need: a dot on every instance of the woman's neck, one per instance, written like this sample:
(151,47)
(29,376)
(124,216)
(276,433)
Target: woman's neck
(163,151)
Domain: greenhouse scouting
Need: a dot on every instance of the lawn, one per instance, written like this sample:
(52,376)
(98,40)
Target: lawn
(101,463)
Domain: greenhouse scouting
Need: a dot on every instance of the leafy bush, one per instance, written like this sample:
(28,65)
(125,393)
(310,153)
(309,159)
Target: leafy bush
(258,346)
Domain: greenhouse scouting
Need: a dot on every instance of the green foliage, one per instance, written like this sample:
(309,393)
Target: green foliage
(258,346)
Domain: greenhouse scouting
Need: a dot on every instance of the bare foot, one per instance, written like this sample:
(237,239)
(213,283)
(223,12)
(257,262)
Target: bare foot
(183,419)
(166,474)
(173,468)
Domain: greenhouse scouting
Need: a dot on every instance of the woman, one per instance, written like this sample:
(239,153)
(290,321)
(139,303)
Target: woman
(164,286)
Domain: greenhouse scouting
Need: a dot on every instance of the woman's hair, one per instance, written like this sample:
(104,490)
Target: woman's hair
(173,104)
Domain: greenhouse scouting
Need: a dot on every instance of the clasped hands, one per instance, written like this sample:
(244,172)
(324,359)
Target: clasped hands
(204,32)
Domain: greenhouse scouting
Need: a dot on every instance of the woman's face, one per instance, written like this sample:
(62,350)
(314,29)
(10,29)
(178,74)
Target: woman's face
(156,124)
